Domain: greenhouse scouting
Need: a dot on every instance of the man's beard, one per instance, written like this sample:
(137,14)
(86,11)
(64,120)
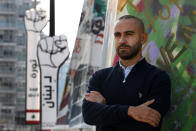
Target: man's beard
(130,52)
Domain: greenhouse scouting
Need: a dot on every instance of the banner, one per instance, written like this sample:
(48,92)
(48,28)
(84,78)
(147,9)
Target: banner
(35,21)
(44,59)
(52,53)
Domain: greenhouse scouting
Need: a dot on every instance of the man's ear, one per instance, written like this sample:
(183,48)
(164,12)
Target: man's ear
(144,37)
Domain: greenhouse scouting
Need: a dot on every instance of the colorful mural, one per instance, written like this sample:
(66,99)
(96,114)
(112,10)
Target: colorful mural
(171,26)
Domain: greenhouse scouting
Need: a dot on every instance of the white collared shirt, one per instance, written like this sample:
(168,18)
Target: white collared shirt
(128,69)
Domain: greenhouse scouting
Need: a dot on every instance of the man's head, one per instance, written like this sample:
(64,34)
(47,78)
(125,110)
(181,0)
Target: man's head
(129,34)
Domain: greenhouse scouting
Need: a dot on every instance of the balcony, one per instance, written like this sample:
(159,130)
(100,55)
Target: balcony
(7,43)
(7,11)
(7,56)
(8,59)
(7,107)
(7,8)
(8,27)
(7,75)
(8,91)
(7,101)
(6,104)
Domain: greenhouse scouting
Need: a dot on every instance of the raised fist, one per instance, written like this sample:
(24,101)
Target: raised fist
(35,20)
(53,51)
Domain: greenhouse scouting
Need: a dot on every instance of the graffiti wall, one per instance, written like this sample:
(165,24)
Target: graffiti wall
(171,28)
(86,59)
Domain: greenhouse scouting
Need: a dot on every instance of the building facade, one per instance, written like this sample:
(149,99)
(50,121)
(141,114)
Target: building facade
(12,63)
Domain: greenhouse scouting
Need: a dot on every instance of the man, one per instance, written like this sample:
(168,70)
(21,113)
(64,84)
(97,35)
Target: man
(133,95)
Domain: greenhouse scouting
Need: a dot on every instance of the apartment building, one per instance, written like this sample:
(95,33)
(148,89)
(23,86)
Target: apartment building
(12,63)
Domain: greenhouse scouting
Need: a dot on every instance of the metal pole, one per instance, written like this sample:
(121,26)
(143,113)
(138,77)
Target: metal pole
(52,18)
(35,4)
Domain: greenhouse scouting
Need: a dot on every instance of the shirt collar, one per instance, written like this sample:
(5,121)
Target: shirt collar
(129,67)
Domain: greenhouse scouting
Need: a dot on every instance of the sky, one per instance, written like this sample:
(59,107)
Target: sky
(67,16)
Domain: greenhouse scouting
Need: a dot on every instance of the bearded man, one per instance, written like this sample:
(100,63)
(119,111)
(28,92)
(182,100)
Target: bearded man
(133,95)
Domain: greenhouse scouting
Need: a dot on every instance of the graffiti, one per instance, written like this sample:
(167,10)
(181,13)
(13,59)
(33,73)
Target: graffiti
(171,26)
(185,32)
(151,21)
(97,25)
(98,22)
(86,59)
(77,47)
(170,51)
(48,92)
(82,17)
(34,68)
(99,39)
(85,20)
(99,8)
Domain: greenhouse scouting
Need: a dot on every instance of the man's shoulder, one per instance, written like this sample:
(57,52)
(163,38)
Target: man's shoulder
(104,71)
(157,71)
(148,67)
(101,74)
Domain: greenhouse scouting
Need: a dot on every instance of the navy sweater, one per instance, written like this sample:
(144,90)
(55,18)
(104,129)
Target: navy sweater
(144,82)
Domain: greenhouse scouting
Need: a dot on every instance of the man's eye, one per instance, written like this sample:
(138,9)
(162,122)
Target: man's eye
(117,34)
(129,33)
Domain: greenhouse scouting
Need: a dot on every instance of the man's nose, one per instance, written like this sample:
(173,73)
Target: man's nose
(122,40)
